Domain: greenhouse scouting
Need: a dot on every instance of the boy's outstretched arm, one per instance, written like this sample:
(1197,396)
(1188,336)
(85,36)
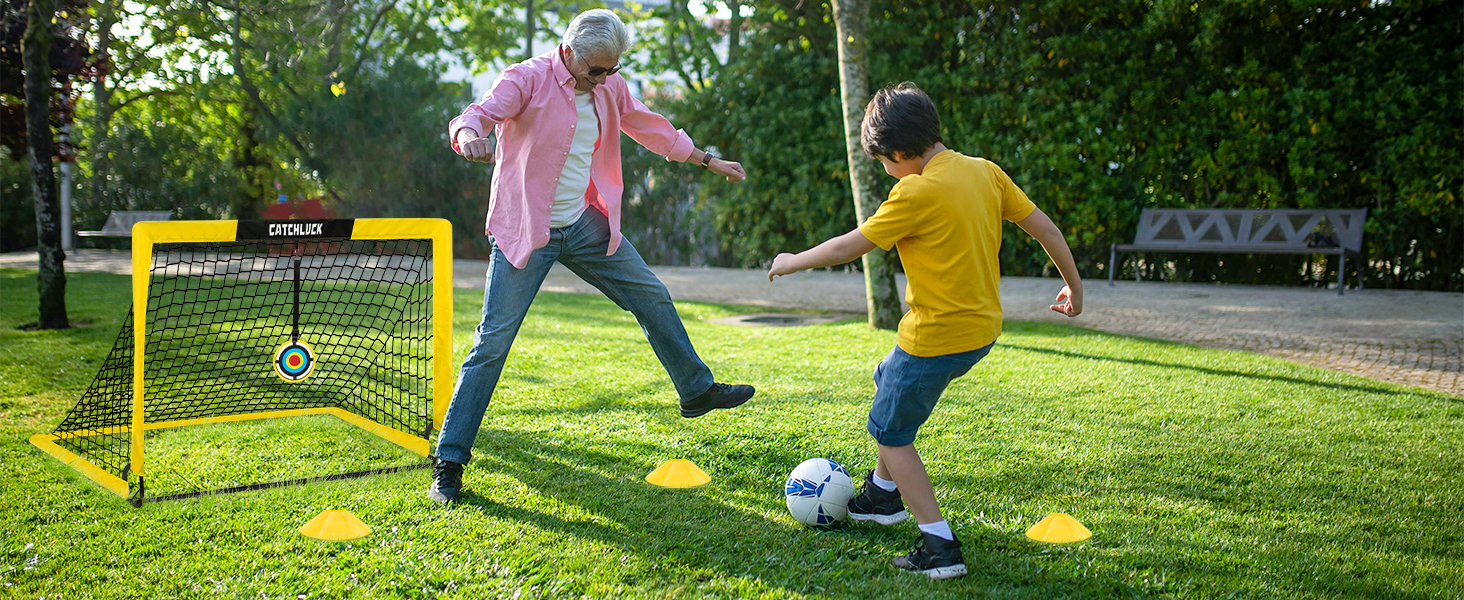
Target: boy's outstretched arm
(835,251)
(1040,227)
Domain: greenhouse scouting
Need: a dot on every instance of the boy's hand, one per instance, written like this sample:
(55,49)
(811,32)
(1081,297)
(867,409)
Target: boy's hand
(782,265)
(1068,303)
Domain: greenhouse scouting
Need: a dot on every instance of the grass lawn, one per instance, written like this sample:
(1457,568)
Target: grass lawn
(1202,473)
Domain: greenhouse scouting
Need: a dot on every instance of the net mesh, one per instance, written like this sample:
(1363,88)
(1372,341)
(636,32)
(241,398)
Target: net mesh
(218,311)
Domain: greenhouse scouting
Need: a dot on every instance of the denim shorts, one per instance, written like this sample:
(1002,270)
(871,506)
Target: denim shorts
(907,388)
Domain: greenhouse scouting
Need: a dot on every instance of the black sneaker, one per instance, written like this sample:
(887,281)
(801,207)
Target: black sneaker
(720,395)
(447,481)
(875,504)
(935,557)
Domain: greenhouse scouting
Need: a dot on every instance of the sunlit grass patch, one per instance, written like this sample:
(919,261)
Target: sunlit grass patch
(1202,473)
(214,456)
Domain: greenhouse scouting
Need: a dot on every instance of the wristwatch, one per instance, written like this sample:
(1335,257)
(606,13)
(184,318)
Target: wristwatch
(706,160)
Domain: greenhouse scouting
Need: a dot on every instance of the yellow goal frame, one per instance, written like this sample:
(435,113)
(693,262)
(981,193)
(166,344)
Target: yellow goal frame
(148,233)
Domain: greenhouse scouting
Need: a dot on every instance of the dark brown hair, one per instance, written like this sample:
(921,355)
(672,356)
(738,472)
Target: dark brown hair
(899,119)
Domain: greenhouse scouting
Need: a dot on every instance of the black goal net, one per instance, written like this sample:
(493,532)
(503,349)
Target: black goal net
(249,330)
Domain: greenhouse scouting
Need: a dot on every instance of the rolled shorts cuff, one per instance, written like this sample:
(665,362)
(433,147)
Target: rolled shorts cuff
(893,439)
(907,388)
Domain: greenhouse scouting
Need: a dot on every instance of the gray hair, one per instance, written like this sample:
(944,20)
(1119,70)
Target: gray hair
(597,31)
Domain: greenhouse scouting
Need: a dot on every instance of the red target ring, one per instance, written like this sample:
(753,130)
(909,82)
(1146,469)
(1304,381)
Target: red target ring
(294,361)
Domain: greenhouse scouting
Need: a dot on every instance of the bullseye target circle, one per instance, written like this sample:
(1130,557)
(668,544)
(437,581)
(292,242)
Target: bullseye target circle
(294,361)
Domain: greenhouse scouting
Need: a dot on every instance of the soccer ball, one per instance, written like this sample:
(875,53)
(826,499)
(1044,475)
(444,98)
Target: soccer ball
(818,492)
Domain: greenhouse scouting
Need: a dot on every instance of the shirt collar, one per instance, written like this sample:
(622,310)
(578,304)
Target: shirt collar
(561,73)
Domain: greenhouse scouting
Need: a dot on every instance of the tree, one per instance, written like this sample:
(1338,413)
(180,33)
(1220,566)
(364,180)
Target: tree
(130,68)
(881,297)
(36,49)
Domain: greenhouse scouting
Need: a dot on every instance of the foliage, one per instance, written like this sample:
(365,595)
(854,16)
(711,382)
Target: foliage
(1100,110)
(385,142)
(1202,472)
(166,154)
(667,213)
(207,108)
(69,57)
(1097,110)
(17,213)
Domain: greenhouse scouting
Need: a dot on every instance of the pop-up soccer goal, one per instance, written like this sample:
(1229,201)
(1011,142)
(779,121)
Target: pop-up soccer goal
(241,320)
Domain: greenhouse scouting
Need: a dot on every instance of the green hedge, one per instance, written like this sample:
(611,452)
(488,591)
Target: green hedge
(1099,110)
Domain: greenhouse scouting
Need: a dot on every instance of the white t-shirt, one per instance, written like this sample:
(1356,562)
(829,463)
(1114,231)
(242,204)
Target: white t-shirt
(569,199)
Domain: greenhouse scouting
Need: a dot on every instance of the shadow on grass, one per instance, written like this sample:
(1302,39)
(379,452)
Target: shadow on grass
(1216,372)
(683,535)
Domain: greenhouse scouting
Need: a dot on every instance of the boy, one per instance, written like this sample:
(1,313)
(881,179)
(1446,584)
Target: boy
(945,216)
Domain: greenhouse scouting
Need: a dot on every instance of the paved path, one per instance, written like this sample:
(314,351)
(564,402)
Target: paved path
(1399,336)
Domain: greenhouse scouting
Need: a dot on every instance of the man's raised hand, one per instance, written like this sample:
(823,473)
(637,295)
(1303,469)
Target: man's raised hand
(474,148)
(726,168)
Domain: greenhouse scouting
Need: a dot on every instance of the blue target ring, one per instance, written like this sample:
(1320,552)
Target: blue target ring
(294,361)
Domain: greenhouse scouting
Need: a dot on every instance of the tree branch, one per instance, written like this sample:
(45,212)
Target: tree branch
(253,92)
(672,28)
(366,48)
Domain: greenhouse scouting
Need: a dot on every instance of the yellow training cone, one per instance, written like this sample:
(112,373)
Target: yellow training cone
(1058,528)
(677,473)
(335,526)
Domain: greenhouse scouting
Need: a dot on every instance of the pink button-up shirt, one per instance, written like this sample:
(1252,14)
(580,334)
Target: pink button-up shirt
(532,105)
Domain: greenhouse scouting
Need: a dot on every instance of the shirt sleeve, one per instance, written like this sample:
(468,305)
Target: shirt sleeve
(1015,205)
(649,129)
(506,99)
(895,220)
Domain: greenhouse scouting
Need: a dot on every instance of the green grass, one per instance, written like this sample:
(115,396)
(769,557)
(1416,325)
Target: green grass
(1202,472)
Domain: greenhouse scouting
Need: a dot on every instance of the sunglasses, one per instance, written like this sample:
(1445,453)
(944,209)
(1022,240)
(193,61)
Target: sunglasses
(598,71)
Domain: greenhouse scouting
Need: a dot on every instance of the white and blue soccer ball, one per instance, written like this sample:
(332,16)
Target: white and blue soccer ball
(818,492)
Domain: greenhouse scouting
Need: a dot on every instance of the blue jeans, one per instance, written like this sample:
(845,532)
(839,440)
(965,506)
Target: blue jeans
(623,277)
(907,388)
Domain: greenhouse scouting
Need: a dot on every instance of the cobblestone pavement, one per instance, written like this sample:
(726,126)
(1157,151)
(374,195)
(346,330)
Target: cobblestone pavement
(1404,337)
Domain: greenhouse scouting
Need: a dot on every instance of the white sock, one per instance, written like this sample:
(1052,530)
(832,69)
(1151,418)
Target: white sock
(884,484)
(938,528)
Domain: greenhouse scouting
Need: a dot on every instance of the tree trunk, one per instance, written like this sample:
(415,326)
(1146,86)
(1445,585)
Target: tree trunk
(99,138)
(251,167)
(673,32)
(36,50)
(881,297)
(529,30)
(734,32)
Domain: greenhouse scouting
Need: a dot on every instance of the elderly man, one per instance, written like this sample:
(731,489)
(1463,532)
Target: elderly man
(556,197)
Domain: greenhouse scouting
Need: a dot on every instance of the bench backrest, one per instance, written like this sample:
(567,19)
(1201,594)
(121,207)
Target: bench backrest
(120,222)
(1223,228)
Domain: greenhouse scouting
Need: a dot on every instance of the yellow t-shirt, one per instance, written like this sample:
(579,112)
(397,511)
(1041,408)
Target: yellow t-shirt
(946,222)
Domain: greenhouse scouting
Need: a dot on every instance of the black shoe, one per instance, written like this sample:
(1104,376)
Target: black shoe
(935,556)
(447,481)
(875,504)
(720,395)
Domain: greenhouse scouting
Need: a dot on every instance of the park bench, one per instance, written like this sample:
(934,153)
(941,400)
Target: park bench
(1227,231)
(120,222)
